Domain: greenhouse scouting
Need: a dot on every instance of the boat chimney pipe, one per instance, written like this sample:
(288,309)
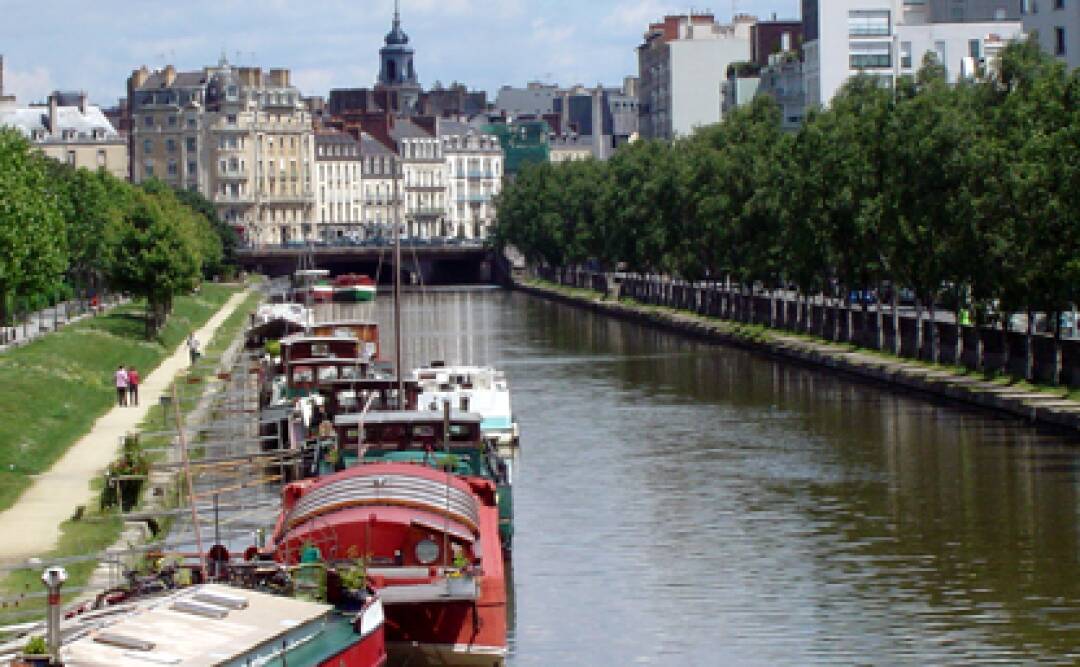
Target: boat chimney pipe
(54,578)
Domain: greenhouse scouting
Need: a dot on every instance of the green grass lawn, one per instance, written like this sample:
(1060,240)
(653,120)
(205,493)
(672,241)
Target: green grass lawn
(99,530)
(53,389)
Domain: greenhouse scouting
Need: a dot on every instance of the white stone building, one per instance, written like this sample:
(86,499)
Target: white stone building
(1057,25)
(474,170)
(424,173)
(339,191)
(681,65)
(378,163)
(889,38)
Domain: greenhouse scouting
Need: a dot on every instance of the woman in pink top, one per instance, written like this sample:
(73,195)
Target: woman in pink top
(121,386)
(133,386)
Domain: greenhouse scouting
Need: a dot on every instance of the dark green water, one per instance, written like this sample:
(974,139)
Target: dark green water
(686,504)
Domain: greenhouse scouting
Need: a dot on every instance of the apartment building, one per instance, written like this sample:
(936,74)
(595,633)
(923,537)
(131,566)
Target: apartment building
(1056,23)
(424,176)
(339,190)
(682,63)
(68,129)
(889,38)
(474,177)
(378,163)
(240,136)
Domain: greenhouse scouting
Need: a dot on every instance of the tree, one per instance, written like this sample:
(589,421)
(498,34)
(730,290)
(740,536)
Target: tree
(34,252)
(155,257)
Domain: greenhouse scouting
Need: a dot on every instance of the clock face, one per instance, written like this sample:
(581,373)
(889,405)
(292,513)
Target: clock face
(427,552)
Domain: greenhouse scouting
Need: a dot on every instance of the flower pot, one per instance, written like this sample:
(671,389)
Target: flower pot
(35,659)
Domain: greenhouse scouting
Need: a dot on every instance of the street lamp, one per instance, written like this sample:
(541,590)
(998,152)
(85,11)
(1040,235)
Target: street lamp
(54,578)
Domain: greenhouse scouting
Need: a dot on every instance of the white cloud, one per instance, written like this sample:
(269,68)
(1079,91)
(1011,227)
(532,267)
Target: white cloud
(28,85)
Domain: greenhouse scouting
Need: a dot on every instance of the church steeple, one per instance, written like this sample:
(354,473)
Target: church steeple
(396,57)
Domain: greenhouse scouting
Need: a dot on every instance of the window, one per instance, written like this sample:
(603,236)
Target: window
(170,145)
(192,167)
(974,48)
(101,158)
(172,168)
(869,23)
(172,121)
(1059,41)
(189,143)
(71,158)
(148,169)
(147,146)
(870,55)
(1059,4)
(941,52)
(230,119)
(191,123)
(148,121)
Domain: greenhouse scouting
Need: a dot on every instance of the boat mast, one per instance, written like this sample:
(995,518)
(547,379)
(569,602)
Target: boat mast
(396,164)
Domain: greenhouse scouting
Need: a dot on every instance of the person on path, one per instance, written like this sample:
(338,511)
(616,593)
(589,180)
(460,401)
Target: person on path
(133,386)
(193,348)
(121,378)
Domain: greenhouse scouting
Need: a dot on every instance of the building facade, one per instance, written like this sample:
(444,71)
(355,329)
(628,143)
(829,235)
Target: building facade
(474,162)
(69,130)
(782,80)
(424,179)
(889,38)
(382,196)
(339,191)
(682,64)
(1056,24)
(240,136)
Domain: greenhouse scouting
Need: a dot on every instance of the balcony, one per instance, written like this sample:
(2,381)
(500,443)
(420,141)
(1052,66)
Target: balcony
(477,175)
(427,212)
(232,199)
(233,174)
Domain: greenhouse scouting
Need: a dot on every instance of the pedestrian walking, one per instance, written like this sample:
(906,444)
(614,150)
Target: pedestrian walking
(133,386)
(121,378)
(193,348)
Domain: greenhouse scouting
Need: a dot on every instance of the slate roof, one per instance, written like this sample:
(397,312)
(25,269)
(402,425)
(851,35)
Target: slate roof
(29,119)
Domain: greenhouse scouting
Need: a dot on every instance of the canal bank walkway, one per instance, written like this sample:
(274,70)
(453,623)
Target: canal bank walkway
(1035,406)
(31,526)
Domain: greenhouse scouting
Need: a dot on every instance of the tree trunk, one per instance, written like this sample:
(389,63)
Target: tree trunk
(897,341)
(958,344)
(1029,339)
(1055,368)
(1006,351)
(917,352)
(935,343)
(879,321)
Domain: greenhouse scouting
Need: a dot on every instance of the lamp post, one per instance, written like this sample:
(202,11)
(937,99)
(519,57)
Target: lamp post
(54,578)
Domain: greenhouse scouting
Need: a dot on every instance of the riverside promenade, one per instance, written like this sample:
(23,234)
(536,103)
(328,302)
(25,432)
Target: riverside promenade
(939,381)
(31,526)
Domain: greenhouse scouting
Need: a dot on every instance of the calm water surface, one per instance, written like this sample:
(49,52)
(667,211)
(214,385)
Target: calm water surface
(686,504)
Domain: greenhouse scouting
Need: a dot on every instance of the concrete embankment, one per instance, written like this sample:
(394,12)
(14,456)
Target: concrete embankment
(941,382)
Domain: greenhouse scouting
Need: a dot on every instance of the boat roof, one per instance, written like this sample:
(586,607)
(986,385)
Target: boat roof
(331,361)
(345,323)
(215,625)
(372,383)
(303,338)
(407,416)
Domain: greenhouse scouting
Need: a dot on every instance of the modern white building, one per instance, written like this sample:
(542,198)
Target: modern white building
(681,65)
(1057,25)
(889,38)
(475,169)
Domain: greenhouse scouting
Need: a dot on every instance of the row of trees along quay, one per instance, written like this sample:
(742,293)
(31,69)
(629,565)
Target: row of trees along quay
(70,232)
(966,195)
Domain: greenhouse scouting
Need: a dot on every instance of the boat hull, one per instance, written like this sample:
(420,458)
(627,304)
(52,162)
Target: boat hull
(405,654)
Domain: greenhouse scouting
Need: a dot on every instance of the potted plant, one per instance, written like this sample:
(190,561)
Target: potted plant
(354,585)
(459,580)
(36,652)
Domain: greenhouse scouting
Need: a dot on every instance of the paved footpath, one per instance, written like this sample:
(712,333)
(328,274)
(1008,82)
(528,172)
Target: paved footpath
(31,526)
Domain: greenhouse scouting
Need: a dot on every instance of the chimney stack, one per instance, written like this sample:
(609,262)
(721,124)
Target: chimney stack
(54,100)
(82,102)
(170,75)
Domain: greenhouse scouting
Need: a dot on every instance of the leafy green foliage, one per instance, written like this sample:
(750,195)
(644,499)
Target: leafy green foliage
(964,193)
(66,230)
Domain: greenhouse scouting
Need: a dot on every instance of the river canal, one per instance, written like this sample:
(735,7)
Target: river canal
(679,503)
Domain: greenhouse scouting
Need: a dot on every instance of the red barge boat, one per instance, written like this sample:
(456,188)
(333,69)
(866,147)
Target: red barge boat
(431,542)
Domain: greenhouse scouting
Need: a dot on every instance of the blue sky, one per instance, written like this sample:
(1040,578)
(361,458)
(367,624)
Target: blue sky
(93,46)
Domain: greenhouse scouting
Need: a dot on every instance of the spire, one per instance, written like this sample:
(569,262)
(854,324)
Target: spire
(397,36)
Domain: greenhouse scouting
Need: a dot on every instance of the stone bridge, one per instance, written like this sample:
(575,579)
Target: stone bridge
(429,264)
